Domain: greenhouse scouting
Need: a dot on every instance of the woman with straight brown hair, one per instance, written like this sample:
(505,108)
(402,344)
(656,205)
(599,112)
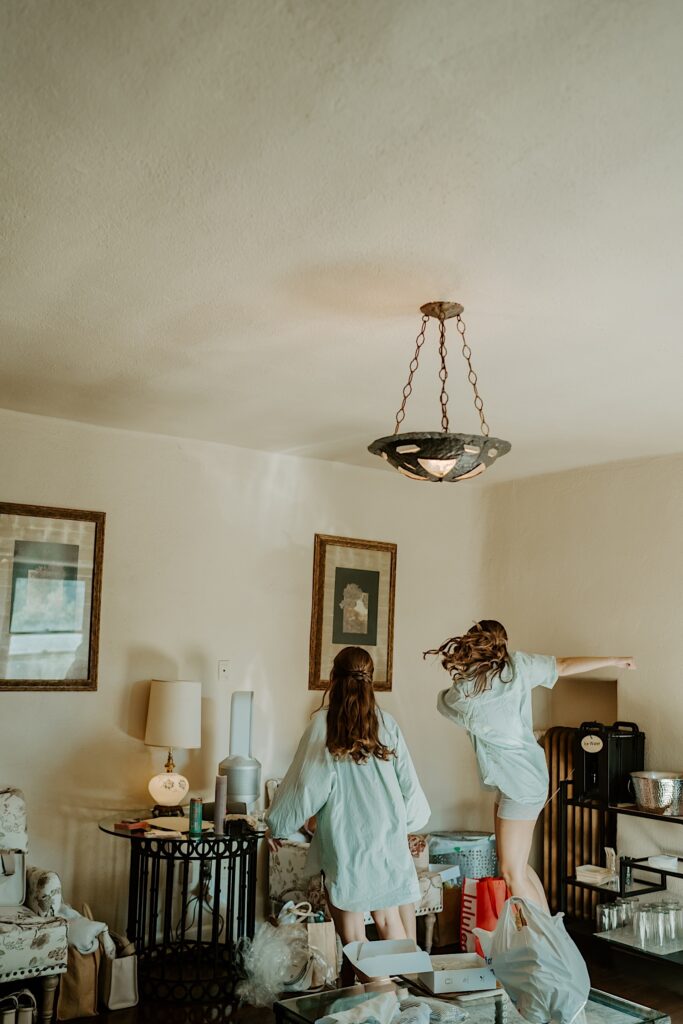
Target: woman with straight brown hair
(490,697)
(353,772)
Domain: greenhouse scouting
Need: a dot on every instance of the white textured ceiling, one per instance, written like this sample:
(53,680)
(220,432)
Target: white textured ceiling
(219,218)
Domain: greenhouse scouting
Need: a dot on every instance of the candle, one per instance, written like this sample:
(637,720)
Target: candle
(220,804)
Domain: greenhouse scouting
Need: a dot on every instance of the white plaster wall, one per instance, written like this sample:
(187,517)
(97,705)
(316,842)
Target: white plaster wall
(208,555)
(591,562)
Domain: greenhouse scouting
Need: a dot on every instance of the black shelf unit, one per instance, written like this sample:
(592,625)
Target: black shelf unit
(638,886)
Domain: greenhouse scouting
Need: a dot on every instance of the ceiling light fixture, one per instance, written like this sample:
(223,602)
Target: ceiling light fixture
(440,455)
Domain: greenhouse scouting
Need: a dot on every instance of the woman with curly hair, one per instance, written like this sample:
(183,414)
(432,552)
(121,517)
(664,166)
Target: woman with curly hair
(353,772)
(490,697)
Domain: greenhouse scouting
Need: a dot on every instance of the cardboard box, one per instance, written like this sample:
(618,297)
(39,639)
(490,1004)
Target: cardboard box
(447,932)
(387,958)
(458,972)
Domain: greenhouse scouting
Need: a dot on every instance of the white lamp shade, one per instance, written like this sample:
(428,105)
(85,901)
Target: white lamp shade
(174,714)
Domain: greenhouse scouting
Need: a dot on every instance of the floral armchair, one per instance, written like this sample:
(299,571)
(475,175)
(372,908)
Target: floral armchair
(288,880)
(32,936)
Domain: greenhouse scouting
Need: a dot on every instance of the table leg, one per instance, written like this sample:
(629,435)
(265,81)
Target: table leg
(133,885)
(47,1000)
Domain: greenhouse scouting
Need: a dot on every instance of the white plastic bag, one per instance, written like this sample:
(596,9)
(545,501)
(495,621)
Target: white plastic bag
(271,960)
(537,963)
(280,959)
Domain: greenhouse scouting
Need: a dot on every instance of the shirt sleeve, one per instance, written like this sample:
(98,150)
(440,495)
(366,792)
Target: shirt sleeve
(304,789)
(536,669)
(417,807)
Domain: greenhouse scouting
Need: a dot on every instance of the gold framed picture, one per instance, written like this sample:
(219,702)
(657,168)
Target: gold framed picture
(353,605)
(50,591)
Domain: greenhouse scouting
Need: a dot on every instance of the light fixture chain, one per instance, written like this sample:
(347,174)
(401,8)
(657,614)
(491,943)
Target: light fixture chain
(408,388)
(443,376)
(472,377)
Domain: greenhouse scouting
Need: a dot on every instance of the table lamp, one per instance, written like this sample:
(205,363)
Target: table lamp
(174,719)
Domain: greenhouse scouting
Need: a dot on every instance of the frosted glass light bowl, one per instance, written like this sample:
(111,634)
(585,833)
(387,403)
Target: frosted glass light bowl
(168,788)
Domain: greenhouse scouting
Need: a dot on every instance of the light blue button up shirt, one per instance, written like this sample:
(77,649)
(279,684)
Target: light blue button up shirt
(364,813)
(499,724)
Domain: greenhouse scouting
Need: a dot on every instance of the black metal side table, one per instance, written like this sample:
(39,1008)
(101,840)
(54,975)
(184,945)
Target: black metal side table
(189,901)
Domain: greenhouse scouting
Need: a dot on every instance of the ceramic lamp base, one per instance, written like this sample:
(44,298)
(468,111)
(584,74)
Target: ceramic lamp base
(168,788)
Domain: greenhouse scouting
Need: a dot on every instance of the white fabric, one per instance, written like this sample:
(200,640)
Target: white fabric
(84,934)
(500,726)
(379,1009)
(364,813)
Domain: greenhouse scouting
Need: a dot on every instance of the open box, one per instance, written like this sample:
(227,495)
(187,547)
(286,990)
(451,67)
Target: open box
(388,958)
(458,972)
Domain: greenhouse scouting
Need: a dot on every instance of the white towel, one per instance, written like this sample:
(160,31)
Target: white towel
(84,934)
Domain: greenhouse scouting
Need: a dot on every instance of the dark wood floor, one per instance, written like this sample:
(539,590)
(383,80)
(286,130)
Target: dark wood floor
(654,985)
(644,981)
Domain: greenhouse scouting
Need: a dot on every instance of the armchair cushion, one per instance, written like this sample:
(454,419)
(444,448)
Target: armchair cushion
(43,892)
(31,944)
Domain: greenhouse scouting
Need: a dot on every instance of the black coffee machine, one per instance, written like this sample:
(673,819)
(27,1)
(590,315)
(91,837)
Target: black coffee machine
(604,757)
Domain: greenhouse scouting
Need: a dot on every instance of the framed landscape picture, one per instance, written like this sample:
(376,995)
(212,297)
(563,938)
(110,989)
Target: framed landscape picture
(353,605)
(50,588)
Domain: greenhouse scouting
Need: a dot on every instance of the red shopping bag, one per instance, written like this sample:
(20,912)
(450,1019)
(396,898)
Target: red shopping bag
(482,903)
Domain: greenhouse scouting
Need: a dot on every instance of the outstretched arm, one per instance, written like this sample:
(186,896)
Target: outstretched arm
(573,666)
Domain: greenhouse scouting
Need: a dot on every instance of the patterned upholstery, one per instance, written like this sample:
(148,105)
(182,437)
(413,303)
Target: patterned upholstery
(30,945)
(13,830)
(32,937)
(43,892)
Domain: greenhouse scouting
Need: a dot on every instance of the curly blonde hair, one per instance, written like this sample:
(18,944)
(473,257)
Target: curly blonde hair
(476,656)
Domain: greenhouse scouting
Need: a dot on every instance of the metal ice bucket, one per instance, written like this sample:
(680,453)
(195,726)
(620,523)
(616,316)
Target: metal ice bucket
(659,792)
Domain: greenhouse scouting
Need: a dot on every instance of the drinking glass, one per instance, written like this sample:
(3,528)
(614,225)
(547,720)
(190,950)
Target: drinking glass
(620,912)
(659,925)
(672,917)
(630,907)
(603,917)
(642,925)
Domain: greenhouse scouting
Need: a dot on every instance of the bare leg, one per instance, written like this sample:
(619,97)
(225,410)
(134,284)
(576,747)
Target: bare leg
(514,846)
(538,885)
(407,912)
(350,927)
(430,922)
(389,923)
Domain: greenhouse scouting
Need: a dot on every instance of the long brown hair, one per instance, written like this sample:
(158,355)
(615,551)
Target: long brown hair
(352,719)
(481,653)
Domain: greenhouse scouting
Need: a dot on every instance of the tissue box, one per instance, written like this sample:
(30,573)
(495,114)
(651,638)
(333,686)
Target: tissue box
(664,861)
(458,972)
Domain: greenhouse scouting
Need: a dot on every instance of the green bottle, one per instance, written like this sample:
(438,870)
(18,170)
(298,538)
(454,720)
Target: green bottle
(196,809)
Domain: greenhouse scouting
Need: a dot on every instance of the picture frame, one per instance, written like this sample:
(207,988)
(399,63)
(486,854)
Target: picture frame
(354,584)
(50,597)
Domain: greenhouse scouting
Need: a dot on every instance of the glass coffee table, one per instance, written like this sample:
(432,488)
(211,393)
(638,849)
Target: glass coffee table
(601,1008)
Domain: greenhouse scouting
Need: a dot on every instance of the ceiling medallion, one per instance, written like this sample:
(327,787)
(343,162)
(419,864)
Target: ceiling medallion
(439,455)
